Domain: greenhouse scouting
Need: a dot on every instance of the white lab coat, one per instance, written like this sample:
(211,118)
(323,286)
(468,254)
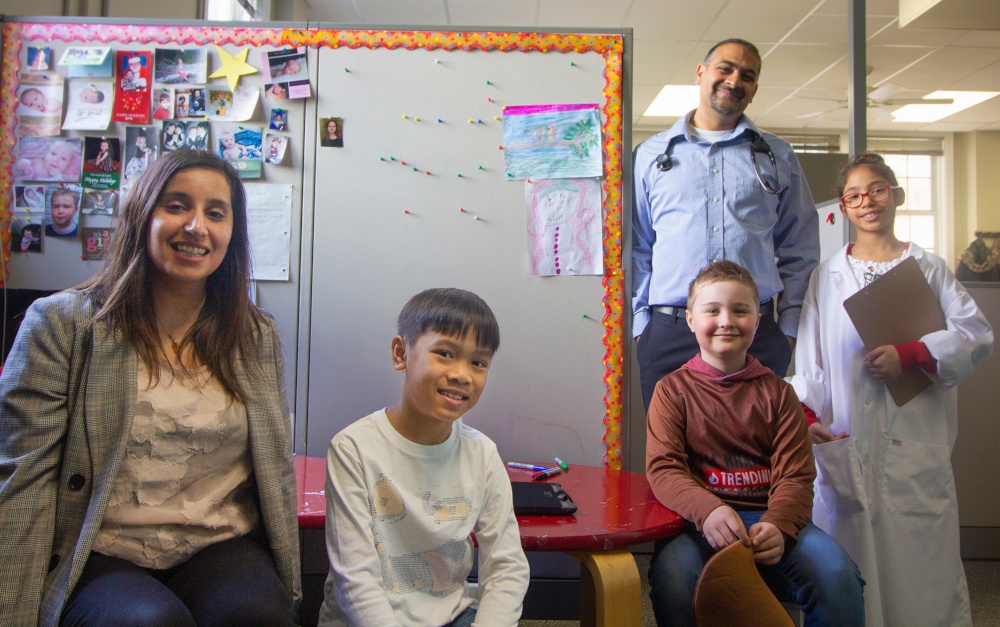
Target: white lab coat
(887,492)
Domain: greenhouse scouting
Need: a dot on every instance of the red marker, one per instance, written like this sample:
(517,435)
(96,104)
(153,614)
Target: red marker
(545,474)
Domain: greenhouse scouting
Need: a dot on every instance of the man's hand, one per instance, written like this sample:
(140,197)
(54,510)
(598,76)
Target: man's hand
(723,527)
(768,543)
(883,363)
(821,434)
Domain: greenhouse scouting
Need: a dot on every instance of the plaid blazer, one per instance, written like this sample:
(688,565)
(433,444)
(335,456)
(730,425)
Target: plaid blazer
(67,399)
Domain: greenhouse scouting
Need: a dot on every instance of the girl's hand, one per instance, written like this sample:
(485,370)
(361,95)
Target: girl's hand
(883,363)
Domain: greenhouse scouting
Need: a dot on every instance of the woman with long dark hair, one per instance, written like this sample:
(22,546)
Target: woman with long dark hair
(145,445)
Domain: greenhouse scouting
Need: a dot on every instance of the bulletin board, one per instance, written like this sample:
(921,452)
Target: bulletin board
(417,196)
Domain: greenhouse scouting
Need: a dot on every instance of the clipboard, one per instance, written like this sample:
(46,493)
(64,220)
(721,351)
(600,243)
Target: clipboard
(896,308)
(541,499)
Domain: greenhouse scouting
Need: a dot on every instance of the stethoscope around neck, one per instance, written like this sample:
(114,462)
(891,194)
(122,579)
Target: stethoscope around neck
(665,161)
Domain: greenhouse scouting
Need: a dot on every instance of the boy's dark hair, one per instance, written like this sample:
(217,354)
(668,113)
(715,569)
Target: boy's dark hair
(724,270)
(449,311)
(871,160)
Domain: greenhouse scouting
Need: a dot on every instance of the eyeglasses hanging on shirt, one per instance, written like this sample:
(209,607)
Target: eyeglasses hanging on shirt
(665,161)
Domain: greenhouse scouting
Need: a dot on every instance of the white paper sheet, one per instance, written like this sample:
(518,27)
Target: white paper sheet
(269,221)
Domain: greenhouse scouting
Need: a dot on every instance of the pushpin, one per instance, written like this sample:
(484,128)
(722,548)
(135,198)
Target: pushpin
(83,257)
(488,99)
(571,64)
(459,175)
(480,167)
(529,180)
(437,61)
(500,147)
(403,162)
(470,120)
(496,117)
(439,120)
(488,83)
(406,211)
(428,172)
(391,158)
(461,209)
(416,119)
(476,218)
(405,117)
(585,316)
(381,158)
(414,168)
(479,121)
(346,70)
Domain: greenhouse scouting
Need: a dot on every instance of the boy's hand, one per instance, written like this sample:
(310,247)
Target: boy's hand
(883,363)
(768,543)
(723,527)
(820,434)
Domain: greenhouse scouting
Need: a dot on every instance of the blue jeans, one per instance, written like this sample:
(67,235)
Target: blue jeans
(232,583)
(814,572)
(464,619)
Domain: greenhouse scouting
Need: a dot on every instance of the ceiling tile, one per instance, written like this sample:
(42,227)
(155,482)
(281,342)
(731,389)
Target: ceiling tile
(743,19)
(490,13)
(589,13)
(673,19)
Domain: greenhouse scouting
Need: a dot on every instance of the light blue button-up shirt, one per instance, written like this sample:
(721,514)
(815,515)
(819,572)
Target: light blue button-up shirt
(710,206)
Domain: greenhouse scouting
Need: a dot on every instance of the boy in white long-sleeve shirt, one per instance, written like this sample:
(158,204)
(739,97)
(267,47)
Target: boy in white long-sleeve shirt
(407,485)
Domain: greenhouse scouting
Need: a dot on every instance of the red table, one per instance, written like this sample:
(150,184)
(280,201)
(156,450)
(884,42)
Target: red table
(615,509)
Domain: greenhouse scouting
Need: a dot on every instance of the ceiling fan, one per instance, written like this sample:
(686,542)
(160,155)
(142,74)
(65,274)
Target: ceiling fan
(877,102)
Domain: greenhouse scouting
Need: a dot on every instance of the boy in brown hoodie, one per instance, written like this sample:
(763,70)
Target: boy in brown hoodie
(727,449)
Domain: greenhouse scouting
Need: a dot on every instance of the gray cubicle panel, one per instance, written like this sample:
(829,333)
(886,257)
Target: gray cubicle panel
(383,231)
(60,265)
(368,232)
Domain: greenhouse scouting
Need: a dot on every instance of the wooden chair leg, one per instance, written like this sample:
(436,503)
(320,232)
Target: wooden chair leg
(610,589)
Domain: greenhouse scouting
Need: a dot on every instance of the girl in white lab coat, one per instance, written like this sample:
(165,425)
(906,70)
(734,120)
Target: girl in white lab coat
(884,487)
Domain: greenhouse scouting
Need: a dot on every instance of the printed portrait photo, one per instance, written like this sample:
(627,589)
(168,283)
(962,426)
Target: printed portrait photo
(331,132)
(62,206)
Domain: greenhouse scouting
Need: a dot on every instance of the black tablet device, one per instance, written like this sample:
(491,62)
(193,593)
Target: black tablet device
(532,498)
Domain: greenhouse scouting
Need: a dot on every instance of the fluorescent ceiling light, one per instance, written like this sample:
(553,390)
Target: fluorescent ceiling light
(933,113)
(674,101)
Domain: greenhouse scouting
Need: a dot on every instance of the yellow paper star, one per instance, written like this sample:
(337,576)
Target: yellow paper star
(233,67)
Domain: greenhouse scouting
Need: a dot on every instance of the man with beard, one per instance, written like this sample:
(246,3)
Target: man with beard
(716,187)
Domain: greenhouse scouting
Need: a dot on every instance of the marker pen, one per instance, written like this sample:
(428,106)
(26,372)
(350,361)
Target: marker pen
(525,466)
(562,464)
(545,474)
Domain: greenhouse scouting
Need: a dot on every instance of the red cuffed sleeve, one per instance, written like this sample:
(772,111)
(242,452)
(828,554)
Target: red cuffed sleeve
(915,353)
(811,417)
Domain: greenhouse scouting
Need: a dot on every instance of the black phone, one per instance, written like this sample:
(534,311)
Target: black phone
(541,499)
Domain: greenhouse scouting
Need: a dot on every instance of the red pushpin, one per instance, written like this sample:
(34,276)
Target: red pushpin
(406,211)
(461,209)
(831,219)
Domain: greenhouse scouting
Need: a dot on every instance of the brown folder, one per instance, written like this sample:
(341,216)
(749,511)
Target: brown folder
(896,308)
